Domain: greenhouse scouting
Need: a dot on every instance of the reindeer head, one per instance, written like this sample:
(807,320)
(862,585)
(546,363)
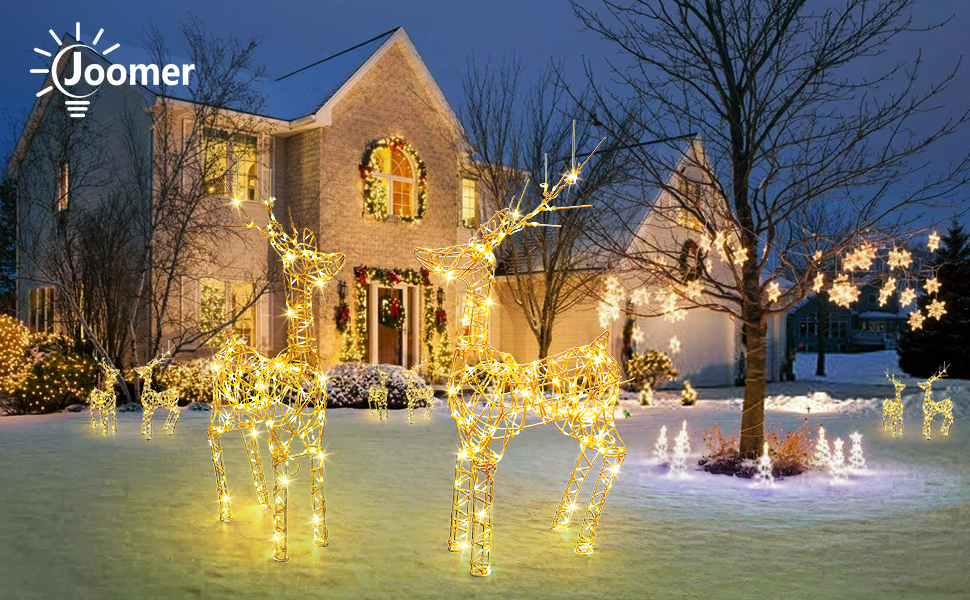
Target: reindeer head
(145,371)
(110,373)
(298,252)
(900,386)
(474,261)
(928,384)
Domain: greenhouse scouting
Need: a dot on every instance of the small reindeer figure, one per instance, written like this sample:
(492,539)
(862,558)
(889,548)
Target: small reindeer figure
(377,398)
(931,408)
(150,399)
(104,400)
(288,393)
(892,410)
(576,390)
(416,393)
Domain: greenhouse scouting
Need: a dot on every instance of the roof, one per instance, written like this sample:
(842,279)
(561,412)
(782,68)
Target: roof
(878,314)
(308,92)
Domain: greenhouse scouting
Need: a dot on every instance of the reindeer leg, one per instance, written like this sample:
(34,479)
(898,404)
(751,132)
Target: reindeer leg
(947,418)
(481,563)
(256,464)
(113,414)
(927,424)
(612,460)
(319,502)
(94,424)
(280,466)
(568,502)
(225,514)
(105,420)
(146,422)
(458,537)
(173,419)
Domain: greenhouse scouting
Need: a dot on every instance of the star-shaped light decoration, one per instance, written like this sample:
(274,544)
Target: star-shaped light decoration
(719,243)
(936,309)
(674,345)
(887,291)
(773,291)
(693,289)
(843,292)
(705,243)
(932,286)
(640,297)
(637,334)
(859,259)
(740,256)
(819,282)
(817,256)
(899,259)
(934,242)
(916,319)
(907,296)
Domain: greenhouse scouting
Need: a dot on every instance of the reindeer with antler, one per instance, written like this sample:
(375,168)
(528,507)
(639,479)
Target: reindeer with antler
(418,393)
(582,386)
(151,399)
(104,400)
(893,409)
(286,393)
(931,408)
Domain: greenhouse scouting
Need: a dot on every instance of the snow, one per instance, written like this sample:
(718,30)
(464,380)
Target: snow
(864,367)
(89,517)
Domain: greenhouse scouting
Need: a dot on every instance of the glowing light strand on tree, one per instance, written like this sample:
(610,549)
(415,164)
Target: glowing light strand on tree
(763,476)
(660,451)
(838,472)
(287,393)
(678,462)
(576,390)
(857,461)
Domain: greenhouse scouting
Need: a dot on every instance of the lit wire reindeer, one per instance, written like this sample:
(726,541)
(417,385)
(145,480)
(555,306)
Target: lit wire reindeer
(104,400)
(583,383)
(892,410)
(150,399)
(931,408)
(416,393)
(287,393)
(377,398)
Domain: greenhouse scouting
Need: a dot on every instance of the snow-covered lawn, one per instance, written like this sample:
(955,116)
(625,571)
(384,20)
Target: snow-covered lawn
(87,517)
(863,367)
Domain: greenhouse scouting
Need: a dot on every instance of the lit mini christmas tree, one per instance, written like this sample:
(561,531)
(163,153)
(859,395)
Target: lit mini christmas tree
(857,462)
(837,467)
(822,453)
(660,451)
(764,476)
(678,463)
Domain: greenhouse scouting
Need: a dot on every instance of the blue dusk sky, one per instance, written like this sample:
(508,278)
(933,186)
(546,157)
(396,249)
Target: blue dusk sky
(446,33)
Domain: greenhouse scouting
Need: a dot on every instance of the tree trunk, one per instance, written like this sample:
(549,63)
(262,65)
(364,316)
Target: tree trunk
(545,340)
(822,317)
(753,417)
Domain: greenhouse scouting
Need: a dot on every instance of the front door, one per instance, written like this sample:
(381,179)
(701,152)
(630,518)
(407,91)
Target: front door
(390,345)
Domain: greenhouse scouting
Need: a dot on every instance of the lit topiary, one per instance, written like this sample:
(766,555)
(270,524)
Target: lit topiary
(14,337)
(648,369)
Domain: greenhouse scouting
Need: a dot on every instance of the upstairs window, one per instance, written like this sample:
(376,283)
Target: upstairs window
(63,186)
(396,172)
(221,300)
(689,197)
(40,309)
(469,203)
(231,159)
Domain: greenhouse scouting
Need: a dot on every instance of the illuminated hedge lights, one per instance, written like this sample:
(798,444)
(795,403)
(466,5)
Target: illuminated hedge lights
(287,393)
(576,390)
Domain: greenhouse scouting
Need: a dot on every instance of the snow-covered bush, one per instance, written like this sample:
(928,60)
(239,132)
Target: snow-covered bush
(688,397)
(348,384)
(790,453)
(193,378)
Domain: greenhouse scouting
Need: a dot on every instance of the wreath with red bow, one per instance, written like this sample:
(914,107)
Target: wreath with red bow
(390,313)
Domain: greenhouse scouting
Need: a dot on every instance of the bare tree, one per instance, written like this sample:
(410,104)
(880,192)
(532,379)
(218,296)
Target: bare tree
(796,114)
(144,220)
(517,134)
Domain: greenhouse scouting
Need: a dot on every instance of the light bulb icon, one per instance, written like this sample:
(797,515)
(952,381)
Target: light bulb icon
(76,104)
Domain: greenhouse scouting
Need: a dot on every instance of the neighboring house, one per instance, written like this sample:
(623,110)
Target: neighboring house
(866,325)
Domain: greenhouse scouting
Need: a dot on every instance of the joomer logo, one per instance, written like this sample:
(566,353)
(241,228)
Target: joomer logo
(67,81)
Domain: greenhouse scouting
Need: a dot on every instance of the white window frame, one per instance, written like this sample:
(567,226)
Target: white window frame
(462,220)
(391,179)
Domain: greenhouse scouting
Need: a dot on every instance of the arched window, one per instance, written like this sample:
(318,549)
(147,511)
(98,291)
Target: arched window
(251,182)
(394,168)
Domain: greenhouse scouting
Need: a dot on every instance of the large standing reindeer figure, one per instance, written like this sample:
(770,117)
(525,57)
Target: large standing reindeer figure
(150,399)
(287,393)
(104,400)
(931,408)
(892,410)
(576,390)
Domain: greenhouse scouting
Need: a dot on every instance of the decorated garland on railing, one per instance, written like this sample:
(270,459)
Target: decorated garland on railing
(376,193)
(436,342)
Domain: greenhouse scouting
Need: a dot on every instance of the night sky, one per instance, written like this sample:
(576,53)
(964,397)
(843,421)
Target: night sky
(445,32)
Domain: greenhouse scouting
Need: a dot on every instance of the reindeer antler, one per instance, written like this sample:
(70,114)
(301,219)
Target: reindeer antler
(510,221)
(940,373)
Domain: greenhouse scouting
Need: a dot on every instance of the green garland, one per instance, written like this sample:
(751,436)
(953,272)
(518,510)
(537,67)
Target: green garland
(375,192)
(437,345)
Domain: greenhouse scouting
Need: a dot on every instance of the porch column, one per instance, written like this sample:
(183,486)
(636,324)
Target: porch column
(372,321)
